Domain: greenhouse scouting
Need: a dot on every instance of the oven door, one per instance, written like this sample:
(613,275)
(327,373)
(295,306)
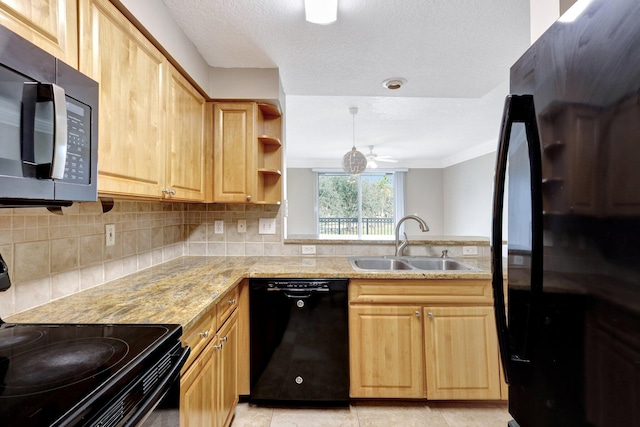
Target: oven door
(167,412)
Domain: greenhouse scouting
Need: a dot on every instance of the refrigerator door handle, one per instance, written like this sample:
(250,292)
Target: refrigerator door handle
(517,108)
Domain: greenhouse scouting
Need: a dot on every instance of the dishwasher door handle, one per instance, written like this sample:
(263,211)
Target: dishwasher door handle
(297,296)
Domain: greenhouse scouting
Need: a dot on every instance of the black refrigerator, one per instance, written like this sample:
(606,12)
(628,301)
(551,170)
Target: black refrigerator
(566,222)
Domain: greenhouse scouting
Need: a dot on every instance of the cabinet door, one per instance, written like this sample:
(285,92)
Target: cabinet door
(385,346)
(51,25)
(186,149)
(461,352)
(227,371)
(197,388)
(131,73)
(234,164)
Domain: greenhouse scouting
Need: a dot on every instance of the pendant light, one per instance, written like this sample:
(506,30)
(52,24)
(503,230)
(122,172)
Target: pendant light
(354,162)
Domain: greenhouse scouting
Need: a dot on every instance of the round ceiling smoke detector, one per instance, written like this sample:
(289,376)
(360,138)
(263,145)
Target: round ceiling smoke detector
(394,83)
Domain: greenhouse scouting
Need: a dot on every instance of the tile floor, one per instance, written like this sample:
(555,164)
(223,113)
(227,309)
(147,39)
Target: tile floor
(377,414)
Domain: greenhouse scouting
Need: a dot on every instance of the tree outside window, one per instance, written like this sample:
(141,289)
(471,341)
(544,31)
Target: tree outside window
(356,206)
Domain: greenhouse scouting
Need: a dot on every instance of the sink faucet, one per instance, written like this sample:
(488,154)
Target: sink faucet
(400,246)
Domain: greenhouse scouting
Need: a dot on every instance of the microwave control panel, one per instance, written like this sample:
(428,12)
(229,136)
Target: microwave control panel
(77,167)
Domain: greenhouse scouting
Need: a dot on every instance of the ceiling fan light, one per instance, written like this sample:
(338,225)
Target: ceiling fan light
(321,11)
(372,164)
(354,162)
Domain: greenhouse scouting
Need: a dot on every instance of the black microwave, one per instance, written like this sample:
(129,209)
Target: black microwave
(48,128)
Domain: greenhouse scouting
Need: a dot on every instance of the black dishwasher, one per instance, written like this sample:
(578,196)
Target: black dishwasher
(299,342)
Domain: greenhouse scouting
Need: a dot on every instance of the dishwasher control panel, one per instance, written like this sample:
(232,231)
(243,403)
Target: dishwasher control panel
(300,284)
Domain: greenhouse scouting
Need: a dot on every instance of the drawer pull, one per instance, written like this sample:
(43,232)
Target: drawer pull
(223,339)
(430,314)
(232,301)
(204,334)
(218,347)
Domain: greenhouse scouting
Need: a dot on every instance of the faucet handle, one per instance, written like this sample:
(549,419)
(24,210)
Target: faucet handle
(445,254)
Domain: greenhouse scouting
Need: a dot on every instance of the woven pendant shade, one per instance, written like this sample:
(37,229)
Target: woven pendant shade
(354,162)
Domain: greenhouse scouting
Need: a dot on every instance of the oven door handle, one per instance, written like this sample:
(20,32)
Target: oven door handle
(156,396)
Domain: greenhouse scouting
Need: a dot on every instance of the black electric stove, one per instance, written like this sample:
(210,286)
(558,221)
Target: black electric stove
(85,375)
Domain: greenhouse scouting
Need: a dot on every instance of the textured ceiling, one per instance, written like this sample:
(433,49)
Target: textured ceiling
(455,55)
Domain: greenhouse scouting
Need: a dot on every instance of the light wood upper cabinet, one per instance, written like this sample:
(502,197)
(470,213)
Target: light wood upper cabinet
(131,72)
(461,353)
(49,24)
(247,153)
(386,351)
(187,141)
(234,180)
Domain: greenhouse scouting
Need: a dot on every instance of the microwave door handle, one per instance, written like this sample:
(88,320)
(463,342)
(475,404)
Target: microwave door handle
(32,93)
(59,132)
(517,109)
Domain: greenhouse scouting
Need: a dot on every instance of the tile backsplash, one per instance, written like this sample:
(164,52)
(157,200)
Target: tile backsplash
(51,256)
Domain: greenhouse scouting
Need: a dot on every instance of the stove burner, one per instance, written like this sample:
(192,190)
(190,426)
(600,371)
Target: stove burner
(14,338)
(62,364)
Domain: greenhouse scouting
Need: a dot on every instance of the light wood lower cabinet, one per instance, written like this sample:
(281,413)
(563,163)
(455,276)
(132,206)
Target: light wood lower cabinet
(461,353)
(423,338)
(197,390)
(208,387)
(227,371)
(386,351)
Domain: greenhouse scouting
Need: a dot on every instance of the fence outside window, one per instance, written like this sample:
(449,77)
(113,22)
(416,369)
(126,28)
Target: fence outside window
(349,226)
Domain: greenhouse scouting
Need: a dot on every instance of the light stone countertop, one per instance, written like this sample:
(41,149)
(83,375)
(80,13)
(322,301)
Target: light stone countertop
(181,291)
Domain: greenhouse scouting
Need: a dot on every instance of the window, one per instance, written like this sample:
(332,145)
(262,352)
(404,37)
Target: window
(363,207)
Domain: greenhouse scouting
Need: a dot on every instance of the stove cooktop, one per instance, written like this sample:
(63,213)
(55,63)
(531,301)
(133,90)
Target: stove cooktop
(55,374)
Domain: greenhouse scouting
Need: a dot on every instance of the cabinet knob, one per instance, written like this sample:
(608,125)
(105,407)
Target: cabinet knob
(430,314)
(248,197)
(173,192)
(218,347)
(165,191)
(223,339)
(417,313)
(232,301)
(204,334)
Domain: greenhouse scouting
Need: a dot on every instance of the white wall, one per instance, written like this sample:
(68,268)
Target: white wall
(468,196)
(425,197)
(301,196)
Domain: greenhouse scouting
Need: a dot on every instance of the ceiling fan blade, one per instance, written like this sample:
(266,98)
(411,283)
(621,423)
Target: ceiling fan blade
(389,160)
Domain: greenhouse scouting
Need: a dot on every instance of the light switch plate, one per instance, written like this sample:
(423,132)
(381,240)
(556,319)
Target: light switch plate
(218,227)
(267,226)
(469,250)
(110,234)
(308,249)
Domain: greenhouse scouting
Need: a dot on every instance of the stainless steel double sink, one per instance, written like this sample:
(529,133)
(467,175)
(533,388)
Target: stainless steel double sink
(384,263)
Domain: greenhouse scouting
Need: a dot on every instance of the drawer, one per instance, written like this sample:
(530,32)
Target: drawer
(432,291)
(199,335)
(227,304)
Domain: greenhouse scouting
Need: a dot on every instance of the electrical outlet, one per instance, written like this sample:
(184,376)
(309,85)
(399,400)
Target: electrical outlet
(218,227)
(469,250)
(110,234)
(308,249)
(267,226)
(242,226)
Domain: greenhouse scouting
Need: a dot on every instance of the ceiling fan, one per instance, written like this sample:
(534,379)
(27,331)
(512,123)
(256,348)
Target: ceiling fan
(373,158)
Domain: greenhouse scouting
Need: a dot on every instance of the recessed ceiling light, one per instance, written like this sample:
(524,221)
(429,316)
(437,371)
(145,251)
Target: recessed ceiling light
(394,83)
(321,11)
